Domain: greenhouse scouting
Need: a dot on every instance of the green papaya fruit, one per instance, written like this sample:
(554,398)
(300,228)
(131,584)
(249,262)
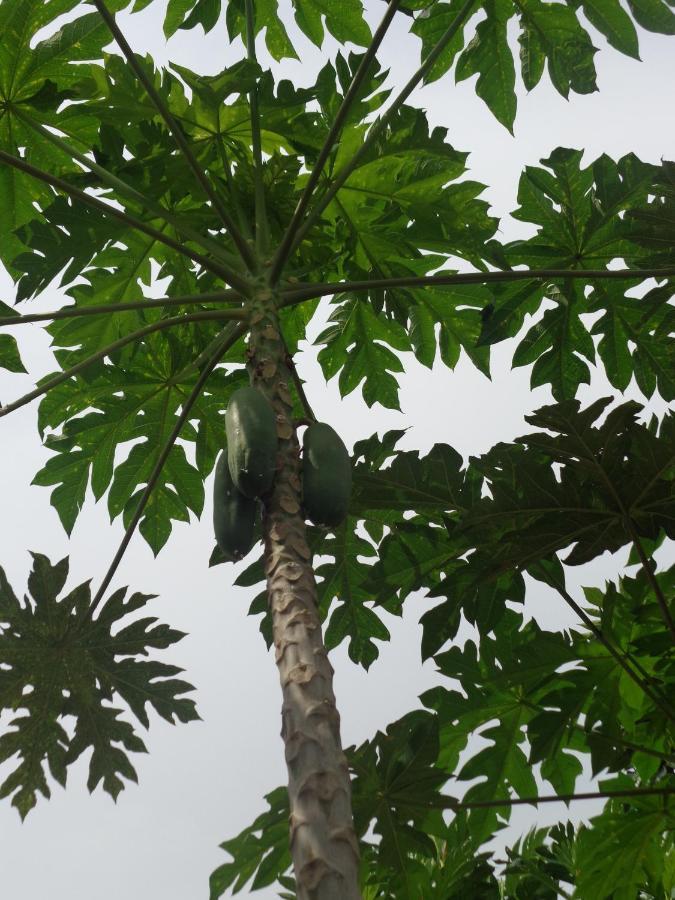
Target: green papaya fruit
(326,475)
(251,430)
(234,515)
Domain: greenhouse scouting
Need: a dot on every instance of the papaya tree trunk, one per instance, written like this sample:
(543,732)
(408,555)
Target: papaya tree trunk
(323,842)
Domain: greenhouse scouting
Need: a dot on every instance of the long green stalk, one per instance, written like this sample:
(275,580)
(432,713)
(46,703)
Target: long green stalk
(293,295)
(380,125)
(340,117)
(112,181)
(261,223)
(202,316)
(210,265)
(178,135)
(205,355)
(77,312)
(451,803)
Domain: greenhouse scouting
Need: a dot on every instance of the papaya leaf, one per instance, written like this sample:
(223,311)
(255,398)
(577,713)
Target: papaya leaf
(314,17)
(611,474)
(260,852)
(130,402)
(539,864)
(489,56)
(625,847)
(552,36)
(397,787)
(10,358)
(60,664)
(357,345)
(343,579)
(651,222)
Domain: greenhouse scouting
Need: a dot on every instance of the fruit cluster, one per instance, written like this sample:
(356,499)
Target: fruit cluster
(245,472)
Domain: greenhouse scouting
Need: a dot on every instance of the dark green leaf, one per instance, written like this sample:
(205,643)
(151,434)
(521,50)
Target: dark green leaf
(259,852)
(56,661)
(9,354)
(489,56)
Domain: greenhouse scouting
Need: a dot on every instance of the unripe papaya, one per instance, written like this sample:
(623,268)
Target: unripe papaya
(234,515)
(326,475)
(251,441)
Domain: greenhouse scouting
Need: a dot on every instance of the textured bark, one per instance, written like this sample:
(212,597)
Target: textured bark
(323,842)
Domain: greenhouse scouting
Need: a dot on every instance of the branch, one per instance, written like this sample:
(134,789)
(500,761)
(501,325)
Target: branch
(226,341)
(223,272)
(261,225)
(147,303)
(311,291)
(203,315)
(122,187)
(340,118)
(618,655)
(651,577)
(232,188)
(404,10)
(299,386)
(177,133)
(619,742)
(560,798)
(624,743)
(205,355)
(379,126)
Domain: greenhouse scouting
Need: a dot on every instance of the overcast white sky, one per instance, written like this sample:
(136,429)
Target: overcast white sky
(202,783)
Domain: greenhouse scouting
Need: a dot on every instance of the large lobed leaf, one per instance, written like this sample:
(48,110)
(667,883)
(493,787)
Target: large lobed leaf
(582,487)
(30,72)
(550,35)
(314,17)
(61,671)
(588,218)
(135,400)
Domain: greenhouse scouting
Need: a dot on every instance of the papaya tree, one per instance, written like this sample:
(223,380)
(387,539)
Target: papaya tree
(252,200)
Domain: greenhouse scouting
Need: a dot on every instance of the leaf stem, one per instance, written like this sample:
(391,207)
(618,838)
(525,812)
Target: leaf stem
(340,117)
(618,742)
(379,126)
(312,291)
(622,742)
(261,224)
(651,577)
(133,305)
(560,798)
(232,188)
(300,388)
(201,316)
(234,333)
(124,188)
(227,274)
(177,133)
(404,10)
(618,655)
(205,355)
